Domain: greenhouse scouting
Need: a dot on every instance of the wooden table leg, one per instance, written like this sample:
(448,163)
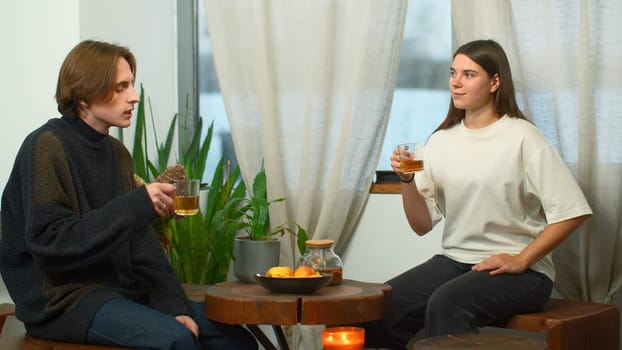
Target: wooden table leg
(261,337)
(280,337)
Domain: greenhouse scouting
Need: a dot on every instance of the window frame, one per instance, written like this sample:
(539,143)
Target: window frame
(187,67)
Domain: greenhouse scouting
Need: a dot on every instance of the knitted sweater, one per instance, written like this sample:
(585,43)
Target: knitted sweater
(76,232)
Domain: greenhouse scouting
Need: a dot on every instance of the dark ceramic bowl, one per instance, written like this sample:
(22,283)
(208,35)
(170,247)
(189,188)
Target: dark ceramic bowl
(293,285)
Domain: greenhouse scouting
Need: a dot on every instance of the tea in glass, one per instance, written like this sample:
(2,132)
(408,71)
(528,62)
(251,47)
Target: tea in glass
(186,196)
(411,157)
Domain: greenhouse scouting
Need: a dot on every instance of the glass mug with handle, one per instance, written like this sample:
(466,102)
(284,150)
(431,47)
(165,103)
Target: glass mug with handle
(186,196)
(411,157)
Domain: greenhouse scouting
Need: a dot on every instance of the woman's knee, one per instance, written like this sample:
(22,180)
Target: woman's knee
(448,303)
(446,299)
(448,313)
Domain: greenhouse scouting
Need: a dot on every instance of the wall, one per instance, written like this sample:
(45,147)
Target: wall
(34,43)
(383,244)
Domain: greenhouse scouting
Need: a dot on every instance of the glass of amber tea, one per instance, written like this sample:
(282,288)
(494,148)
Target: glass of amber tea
(186,196)
(411,156)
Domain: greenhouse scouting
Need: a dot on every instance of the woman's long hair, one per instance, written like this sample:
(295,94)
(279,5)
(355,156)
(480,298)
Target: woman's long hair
(490,56)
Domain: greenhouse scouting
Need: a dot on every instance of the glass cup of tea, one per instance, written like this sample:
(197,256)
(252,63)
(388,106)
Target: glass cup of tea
(186,196)
(411,156)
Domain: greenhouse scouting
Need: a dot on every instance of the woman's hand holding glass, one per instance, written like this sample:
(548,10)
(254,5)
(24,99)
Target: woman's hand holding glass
(407,158)
(397,167)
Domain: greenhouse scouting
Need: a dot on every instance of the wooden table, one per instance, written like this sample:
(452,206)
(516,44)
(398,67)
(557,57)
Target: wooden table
(252,305)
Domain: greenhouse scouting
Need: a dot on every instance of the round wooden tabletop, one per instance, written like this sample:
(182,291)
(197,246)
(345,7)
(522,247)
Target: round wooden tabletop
(347,303)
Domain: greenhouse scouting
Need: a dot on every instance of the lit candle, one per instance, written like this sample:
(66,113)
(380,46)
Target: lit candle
(343,338)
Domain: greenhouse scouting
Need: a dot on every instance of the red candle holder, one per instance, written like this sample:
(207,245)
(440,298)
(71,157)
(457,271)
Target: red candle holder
(343,338)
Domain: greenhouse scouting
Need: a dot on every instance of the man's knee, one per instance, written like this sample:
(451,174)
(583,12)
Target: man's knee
(183,339)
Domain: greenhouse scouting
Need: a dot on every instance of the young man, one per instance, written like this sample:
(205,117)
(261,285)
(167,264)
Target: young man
(78,254)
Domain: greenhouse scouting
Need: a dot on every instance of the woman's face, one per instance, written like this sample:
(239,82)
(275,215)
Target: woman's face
(470,86)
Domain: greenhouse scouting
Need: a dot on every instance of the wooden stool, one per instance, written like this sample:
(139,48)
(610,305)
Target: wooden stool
(14,337)
(573,325)
(5,310)
(480,341)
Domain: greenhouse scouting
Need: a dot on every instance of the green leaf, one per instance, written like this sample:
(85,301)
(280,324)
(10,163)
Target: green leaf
(201,161)
(138,153)
(152,169)
(164,150)
(301,239)
(259,185)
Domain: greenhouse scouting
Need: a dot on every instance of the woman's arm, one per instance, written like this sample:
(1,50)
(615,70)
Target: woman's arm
(414,204)
(547,240)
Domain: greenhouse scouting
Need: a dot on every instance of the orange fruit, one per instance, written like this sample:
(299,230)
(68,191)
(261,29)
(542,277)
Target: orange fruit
(305,271)
(279,271)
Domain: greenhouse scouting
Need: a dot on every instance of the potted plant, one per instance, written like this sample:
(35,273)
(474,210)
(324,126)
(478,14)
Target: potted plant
(199,249)
(257,248)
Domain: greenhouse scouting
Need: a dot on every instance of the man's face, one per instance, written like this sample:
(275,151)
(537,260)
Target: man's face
(117,111)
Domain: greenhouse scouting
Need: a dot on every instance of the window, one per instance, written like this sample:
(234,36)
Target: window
(421,95)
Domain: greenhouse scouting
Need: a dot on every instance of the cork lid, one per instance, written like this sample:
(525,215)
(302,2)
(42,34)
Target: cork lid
(320,243)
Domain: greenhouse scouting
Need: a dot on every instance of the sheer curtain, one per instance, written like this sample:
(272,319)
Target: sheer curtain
(307,86)
(565,58)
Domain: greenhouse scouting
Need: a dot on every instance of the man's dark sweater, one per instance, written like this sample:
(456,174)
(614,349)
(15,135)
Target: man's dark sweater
(76,232)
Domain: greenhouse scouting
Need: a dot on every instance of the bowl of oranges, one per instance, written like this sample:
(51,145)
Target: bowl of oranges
(285,280)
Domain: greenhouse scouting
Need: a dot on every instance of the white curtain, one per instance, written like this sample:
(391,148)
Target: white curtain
(308,86)
(565,58)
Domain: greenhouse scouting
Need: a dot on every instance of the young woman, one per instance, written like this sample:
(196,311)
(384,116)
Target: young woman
(507,200)
(78,254)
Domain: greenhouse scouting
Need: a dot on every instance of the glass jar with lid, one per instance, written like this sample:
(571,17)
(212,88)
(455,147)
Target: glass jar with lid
(321,257)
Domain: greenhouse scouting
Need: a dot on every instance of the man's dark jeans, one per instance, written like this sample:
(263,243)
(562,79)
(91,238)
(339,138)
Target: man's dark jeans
(123,322)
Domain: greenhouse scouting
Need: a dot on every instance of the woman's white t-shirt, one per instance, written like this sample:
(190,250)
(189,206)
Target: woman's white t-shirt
(497,188)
